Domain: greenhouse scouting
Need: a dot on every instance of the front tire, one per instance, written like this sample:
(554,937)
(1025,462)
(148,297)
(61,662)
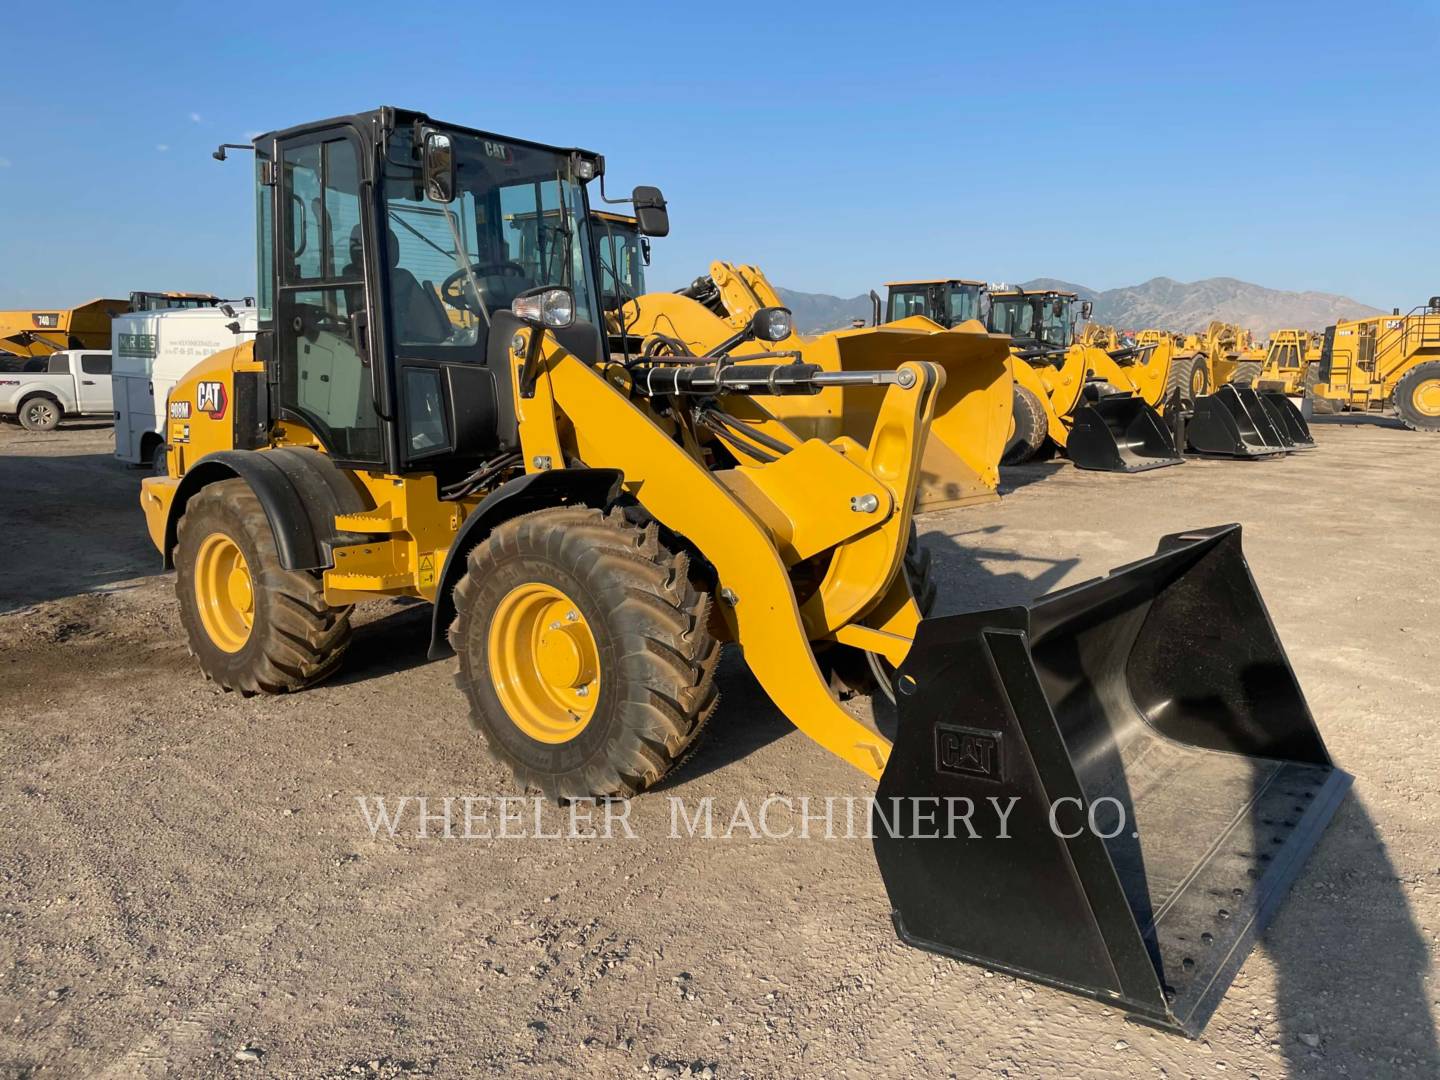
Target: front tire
(585,651)
(254,626)
(39,413)
(1417,397)
(1031,427)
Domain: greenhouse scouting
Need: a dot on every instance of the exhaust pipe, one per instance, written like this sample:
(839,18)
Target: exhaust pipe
(1164,779)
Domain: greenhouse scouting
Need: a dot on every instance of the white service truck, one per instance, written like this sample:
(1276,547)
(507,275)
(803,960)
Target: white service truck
(74,383)
(153,350)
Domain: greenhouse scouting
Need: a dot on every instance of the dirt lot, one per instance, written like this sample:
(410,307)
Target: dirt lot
(186,873)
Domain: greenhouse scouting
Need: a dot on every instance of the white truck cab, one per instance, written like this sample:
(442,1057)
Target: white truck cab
(153,350)
(74,384)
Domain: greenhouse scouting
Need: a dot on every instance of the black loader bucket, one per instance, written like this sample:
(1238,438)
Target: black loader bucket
(1232,423)
(1143,778)
(1119,433)
(1286,418)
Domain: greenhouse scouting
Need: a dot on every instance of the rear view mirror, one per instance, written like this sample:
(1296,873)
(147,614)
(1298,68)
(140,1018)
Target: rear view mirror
(1086,309)
(438,167)
(650,212)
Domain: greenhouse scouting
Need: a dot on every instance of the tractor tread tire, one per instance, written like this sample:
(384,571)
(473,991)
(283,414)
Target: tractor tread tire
(651,609)
(297,639)
(1031,427)
(1180,380)
(1247,373)
(1404,396)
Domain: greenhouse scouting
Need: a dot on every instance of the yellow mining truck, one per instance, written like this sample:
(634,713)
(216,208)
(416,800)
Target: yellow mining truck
(35,334)
(591,533)
(1385,362)
(961,465)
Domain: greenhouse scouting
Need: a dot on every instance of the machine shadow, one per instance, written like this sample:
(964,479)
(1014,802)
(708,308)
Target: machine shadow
(1357,419)
(75,527)
(962,566)
(1351,962)
(397,640)
(1014,477)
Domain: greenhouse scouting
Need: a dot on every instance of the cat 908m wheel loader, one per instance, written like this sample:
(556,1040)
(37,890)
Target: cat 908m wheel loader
(429,411)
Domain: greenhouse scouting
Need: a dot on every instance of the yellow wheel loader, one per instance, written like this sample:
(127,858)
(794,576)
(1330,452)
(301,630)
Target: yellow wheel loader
(1233,421)
(1383,363)
(961,461)
(590,533)
(1084,397)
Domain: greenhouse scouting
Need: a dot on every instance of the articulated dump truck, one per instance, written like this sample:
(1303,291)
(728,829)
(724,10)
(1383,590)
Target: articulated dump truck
(591,531)
(961,461)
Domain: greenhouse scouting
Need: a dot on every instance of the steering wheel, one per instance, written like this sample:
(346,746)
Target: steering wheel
(454,294)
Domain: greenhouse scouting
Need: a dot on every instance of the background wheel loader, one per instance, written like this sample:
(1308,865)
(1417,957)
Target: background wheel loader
(961,465)
(590,532)
(1386,362)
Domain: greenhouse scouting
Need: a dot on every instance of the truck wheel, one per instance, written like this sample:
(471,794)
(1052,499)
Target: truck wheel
(1417,397)
(253,625)
(1031,429)
(1188,379)
(159,464)
(584,651)
(39,413)
(1246,373)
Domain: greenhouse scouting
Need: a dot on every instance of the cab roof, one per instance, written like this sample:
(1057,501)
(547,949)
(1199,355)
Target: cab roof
(389,118)
(934,281)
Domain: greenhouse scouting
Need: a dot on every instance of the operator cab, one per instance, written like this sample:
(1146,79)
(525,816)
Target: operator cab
(947,301)
(391,249)
(1037,318)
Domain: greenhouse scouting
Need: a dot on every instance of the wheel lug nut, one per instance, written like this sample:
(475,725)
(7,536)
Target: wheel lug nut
(571,616)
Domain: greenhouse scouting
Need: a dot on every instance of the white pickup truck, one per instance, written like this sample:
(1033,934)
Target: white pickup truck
(74,384)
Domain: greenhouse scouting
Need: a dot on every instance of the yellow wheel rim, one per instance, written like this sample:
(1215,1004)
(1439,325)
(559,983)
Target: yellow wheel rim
(544,662)
(224,592)
(1427,398)
(1197,382)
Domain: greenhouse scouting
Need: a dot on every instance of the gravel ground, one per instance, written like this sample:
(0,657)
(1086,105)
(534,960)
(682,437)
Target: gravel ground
(188,886)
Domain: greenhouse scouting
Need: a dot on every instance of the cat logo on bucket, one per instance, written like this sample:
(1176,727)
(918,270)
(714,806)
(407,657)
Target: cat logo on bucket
(210,399)
(968,751)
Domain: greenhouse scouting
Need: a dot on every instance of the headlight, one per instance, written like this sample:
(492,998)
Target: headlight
(772,324)
(545,306)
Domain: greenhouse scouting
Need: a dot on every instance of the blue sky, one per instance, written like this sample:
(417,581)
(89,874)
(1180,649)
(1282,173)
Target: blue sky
(836,145)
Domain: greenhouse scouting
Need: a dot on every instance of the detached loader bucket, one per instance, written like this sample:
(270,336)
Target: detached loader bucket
(1161,779)
(1232,423)
(1119,433)
(1287,420)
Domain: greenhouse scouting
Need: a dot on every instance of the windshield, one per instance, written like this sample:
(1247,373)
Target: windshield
(517,222)
(964,303)
(1013,315)
(622,264)
(1055,329)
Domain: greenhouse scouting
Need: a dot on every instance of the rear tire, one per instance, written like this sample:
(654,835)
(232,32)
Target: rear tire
(1031,428)
(287,638)
(39,413)
(1188,379)
(1246,373)
(159,463)
(1417,397)
(636,666)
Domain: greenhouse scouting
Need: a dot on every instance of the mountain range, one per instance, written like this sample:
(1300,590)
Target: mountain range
(1160,302)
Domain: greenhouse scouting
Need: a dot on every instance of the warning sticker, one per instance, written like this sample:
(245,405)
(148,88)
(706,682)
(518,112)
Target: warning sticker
(427,570)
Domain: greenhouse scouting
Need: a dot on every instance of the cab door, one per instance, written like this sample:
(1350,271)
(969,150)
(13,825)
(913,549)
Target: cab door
(326,376)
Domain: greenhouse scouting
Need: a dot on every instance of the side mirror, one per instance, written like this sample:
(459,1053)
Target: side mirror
(645,250)
(772,324)
(1087,309)
(650,212)
(438,167)
(547,307)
